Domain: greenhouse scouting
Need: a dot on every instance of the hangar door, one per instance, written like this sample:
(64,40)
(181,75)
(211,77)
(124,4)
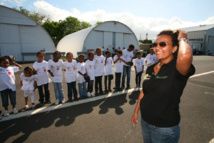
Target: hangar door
(211,44)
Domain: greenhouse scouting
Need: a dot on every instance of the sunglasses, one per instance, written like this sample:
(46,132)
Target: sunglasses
(161,44)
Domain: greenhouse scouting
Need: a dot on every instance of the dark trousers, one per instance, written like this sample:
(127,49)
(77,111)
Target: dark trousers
(138,78)
(90,86)
(108,79)
(117,80)
(98,82)
(41,94)
(72,89)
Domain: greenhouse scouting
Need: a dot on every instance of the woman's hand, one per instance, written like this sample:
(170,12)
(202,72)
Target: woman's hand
(134,119)
(181,34)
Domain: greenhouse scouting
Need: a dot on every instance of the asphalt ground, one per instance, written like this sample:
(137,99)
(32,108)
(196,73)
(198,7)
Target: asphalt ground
(107,120)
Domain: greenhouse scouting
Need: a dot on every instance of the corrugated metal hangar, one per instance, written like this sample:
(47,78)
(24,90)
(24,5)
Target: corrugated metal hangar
(21,36)
(201,38)
(107,34)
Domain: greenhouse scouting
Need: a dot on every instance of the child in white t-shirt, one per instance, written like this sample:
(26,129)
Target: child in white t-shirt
(99,70)
(108,71)
(7,84)
(139,67)
(70,68)
(90,69)
(28,84)
(119,61)
(55,70)
(81,74)
(41,67)
(150,58)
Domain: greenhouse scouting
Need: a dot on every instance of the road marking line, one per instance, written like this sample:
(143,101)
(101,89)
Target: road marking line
(205,73)
(60,106)
(208,93)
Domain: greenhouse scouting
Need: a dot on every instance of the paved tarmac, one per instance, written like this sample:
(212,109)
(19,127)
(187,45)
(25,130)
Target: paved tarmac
(107,120)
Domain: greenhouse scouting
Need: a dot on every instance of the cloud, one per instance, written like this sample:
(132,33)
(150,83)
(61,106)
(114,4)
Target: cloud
(139,24)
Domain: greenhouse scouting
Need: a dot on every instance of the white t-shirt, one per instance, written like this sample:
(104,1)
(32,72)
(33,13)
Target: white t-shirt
(56,69)
(151,59)
(119,64)
(42,72)
(128,56)
(81,68)
(90,69)
(99,65)
(28,82)
(7,78)
(108,68)
(139,63)
(70,71)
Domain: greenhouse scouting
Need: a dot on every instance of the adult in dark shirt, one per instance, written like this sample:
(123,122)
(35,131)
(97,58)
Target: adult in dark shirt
(163,86)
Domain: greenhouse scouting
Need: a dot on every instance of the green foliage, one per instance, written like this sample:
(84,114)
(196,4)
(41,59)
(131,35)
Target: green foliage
(98,22)
(146,41)
(39,18)
(58,30)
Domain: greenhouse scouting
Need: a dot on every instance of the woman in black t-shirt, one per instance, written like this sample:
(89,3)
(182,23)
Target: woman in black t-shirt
(163,86)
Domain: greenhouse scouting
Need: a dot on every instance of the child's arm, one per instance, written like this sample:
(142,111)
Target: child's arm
(117,60)
(50,73)
(16,64)
(81,74)
(106,61)
(35,84)
(135,69)
(142,68)
(21,83)
(125,62)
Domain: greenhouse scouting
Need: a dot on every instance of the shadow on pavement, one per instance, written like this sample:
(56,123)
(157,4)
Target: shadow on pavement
(27,125)
(133,97)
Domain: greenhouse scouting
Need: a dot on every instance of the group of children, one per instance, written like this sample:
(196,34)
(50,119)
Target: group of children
(84,72)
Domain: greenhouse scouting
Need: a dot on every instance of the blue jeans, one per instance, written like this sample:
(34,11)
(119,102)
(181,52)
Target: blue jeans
(126,71)
(90,86)
(72,88)
(153,134)
(4,95)
(58,91)
(82,89)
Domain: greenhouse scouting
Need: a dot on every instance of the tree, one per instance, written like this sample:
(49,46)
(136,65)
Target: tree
(36,16)
(98,22)
(58,30)
(146,41)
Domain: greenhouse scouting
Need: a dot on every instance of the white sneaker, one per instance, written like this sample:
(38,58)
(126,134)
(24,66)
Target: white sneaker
(26,106)
(6,113)
(63,101)
(57,102)
(92,94)
(88,94)
(15,111)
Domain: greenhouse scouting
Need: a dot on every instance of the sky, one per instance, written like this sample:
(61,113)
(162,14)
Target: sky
(142,16)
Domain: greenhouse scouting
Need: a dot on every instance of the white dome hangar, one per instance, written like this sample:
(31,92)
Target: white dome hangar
(22,37)
(107,34)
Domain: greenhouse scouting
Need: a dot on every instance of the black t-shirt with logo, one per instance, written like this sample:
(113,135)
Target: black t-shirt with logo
(162,92)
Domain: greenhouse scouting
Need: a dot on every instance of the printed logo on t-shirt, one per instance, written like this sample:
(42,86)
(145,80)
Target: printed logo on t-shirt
(101,61)
(9,73)
(74,68)
(120,61)
(57,68)
(130,56)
